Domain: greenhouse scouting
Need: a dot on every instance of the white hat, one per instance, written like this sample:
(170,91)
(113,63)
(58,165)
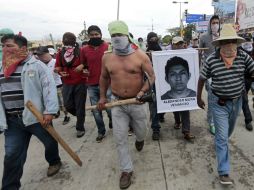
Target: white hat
(177,39)
(51,51)
(228,33)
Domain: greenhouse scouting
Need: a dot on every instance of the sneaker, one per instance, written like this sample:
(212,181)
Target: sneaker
(130,131)
(188,137)
(226,180)
(100,137)
(80,133)
(54,169)
(249,126)
(212,129)
(125,180)
(66,120)
(156,136)
(139,145)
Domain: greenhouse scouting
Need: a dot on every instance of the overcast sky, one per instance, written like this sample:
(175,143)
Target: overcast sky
(36,19)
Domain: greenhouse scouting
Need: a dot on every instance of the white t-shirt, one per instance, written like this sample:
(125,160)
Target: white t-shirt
(57,77)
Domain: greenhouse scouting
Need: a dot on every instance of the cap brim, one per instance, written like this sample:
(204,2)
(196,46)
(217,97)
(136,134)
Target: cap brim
(239,40)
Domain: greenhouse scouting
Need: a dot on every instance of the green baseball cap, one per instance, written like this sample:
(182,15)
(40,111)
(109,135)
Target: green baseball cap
(119,27)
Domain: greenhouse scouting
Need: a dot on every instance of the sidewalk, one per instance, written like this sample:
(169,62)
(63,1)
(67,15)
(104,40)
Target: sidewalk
(168,164)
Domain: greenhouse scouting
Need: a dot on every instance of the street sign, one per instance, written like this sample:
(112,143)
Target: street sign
(194,18)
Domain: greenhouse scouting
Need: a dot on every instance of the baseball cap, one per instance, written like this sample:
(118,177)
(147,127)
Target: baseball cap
(119,27)
(42,50)
(177,39)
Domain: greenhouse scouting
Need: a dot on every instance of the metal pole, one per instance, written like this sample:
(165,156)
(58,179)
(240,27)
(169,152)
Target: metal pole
(180,15)
(118,5)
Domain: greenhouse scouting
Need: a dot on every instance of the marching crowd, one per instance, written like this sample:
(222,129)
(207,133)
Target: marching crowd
(114,71)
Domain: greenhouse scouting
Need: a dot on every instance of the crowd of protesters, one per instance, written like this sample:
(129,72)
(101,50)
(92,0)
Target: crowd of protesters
(59,81)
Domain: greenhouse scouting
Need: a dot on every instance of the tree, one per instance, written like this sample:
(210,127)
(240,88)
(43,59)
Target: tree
(174,31)
(166,39)
(188,31)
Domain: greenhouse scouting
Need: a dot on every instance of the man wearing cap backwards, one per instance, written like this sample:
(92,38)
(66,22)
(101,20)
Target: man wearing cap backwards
(24,78)
(44,56)
(92,57)
(123,69)
(226,67)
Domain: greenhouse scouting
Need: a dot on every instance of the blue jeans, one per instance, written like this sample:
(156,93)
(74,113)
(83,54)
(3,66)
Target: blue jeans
(224,121)
(17,139)
(94,95)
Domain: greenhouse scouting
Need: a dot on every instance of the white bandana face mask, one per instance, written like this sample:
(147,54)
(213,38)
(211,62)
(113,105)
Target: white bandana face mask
(214,28)
(247,46)
(120,42)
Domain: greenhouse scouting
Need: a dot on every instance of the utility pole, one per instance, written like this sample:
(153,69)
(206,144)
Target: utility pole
(118,7)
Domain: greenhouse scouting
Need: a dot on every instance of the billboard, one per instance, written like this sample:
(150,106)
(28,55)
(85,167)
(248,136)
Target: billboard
(194,18)
(245,14)
(225,9)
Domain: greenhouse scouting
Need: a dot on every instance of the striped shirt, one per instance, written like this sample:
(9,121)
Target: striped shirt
(227,83)
(12,92)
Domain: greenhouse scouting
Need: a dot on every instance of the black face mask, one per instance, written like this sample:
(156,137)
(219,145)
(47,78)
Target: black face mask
(153,45)
(95,41)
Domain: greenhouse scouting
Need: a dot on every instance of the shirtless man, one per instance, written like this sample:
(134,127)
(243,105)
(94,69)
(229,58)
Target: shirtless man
(123,69)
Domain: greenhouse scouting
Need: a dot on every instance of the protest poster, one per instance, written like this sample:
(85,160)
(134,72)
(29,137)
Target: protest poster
(177,73)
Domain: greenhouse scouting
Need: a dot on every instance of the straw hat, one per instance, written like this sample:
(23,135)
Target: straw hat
(228,33)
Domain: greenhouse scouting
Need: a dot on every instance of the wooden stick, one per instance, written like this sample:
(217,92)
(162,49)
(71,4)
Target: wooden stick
(202,49)
(53,133)
(115,103)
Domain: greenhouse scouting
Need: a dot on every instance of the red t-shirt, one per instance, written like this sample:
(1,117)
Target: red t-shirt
(73,77)
(93,58)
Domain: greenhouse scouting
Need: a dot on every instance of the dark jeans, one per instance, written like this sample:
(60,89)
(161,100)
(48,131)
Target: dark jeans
(245,103)
(94,95)
(74,97)
(17,138)
(184,118)
(154,115)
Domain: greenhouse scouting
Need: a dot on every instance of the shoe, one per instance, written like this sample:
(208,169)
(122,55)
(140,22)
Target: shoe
(249,126)
(212,129)
(162,119)
(100,137)
(130,131)
(57,114)
(80,133)
(188,136)
(156,136)
(226,180)
(54,169)
(66,120)
(125,180)
(139,145)
(177,126)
